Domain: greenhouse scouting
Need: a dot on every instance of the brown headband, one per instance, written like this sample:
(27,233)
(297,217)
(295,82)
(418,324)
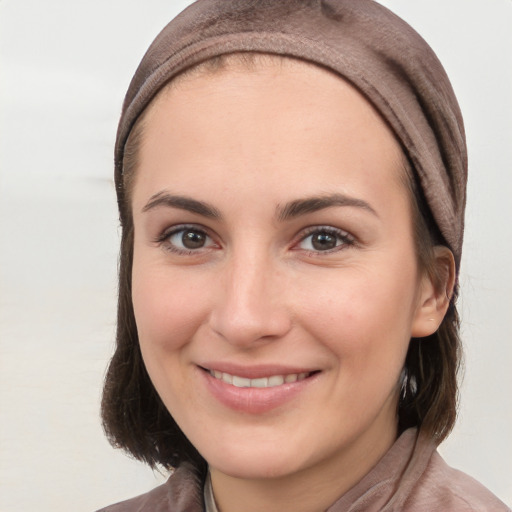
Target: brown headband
(360,40)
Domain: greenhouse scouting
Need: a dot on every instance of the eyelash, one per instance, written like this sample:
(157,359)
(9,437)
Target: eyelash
(165,237)
(344,238)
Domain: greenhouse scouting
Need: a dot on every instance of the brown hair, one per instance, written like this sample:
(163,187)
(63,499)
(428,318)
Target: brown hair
(134,416)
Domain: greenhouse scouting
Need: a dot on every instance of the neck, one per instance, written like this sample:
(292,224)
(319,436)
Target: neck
(312,489)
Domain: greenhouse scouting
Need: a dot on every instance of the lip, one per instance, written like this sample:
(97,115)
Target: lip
(253,400)
(256,371)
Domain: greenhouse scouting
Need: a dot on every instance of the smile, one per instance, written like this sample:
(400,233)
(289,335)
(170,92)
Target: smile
(263,382)
(256,389)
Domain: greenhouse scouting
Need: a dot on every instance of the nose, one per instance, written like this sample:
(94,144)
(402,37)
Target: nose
(251,308)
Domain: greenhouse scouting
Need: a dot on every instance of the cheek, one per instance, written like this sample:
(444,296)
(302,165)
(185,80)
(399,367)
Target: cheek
(365,319)
(168,315)
(167,307)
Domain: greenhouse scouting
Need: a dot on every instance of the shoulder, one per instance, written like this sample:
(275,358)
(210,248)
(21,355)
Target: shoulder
(181,493)
(156,500)
(441,487)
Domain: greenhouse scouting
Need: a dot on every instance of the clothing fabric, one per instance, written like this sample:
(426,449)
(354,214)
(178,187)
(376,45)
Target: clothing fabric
(209,498)
(411,477)
(363,42)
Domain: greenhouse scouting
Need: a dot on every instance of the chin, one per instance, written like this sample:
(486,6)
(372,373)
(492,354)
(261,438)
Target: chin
(253,463)
(254,470)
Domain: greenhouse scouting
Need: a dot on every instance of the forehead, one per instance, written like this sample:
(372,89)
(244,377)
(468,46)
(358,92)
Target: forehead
(266,111)
(270,70)
(266,80)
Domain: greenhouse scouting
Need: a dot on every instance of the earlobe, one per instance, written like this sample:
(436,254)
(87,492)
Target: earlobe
(435,294)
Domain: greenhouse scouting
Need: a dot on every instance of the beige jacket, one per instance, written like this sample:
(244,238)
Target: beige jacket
(411,477)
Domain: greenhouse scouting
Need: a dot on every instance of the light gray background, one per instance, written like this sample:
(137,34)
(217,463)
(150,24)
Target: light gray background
(65,66)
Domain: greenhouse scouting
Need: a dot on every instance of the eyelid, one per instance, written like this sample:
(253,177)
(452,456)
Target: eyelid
(347,238)
(163,239)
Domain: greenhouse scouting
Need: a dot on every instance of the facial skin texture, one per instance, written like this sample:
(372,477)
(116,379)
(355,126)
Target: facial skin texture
(261,295)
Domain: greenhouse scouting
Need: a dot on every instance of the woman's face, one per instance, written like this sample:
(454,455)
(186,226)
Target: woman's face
(275,281)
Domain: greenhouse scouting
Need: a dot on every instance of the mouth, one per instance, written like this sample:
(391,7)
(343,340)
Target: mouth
(257,389)
(271,381)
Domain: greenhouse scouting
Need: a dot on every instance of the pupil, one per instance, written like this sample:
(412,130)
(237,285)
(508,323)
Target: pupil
(193,239)
(323,241)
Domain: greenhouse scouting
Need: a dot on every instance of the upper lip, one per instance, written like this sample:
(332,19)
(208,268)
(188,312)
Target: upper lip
(255,371)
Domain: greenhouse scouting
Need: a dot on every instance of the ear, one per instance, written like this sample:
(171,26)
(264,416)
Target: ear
(435,294)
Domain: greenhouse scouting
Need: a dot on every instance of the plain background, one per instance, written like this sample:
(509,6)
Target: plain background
(65,66)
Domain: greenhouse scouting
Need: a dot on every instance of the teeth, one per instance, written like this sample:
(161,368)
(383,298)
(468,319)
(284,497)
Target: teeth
(264,382)
(259,383)
(241,382)
(275,380)
(227,378)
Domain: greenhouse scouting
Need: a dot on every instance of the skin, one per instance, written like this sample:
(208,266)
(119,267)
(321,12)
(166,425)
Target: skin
(256,288)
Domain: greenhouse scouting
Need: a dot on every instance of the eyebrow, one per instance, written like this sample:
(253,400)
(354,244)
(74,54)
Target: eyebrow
(182,203)
(314,204)
(289,211)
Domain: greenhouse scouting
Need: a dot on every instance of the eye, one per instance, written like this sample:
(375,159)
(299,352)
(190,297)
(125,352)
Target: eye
(186,239)
(325,239)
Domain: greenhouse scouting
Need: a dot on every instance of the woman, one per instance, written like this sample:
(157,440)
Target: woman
(291,184)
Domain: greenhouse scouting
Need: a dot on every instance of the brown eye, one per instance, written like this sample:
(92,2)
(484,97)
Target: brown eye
(325,239)
(193,239)
(188,239)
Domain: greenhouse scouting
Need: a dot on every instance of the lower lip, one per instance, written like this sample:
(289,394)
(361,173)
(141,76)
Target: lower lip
(254,400)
